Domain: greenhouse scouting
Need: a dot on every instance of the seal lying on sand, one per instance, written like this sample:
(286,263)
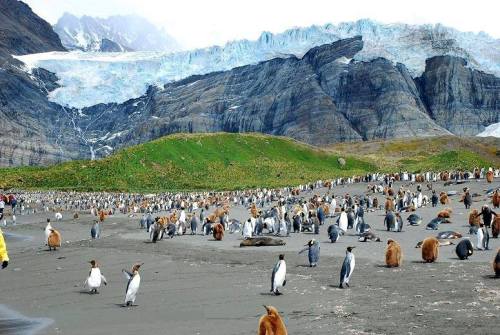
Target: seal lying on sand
(261,242)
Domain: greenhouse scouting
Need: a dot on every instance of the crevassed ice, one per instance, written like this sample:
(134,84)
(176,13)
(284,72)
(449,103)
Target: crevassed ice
(91,78)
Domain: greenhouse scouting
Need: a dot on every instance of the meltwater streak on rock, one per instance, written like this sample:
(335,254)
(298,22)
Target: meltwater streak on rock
(12,322)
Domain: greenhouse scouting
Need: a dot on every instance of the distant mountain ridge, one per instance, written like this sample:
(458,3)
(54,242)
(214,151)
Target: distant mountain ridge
(128,33)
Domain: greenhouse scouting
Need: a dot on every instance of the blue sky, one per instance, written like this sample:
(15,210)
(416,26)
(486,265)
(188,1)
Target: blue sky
(200,23)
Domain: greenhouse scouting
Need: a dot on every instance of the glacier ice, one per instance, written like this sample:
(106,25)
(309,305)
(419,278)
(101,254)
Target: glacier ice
(90,78)
(492,130)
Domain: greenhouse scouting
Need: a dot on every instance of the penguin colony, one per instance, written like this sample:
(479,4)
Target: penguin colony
(307,219)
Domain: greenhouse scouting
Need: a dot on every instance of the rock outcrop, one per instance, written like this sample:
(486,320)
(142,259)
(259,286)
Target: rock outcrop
(458,98)
(23,32)
(34,131)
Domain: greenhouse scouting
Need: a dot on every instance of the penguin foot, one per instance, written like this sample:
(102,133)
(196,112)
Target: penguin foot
(346,284)
(340,286)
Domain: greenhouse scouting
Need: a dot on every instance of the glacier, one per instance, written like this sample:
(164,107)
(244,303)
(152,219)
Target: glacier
(90,78)
(492,130)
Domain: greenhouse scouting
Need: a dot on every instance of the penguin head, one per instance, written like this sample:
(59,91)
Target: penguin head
(136,267)
(389,241)
(349,249)
(271,311)
(281,257)
(93,263)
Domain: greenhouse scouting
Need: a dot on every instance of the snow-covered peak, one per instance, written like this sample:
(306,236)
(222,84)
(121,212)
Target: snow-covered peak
(129,32)
(90,78)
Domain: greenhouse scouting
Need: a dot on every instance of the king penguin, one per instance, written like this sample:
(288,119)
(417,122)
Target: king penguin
(48,229)
(347,267)
(313,247)
(95,278)
(334,233)
(134,281)
(464,249)
(95,231)
(278,278)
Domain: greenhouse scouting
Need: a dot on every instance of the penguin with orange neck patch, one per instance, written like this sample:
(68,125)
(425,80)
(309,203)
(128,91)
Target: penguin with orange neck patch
(133,284)
(271,323)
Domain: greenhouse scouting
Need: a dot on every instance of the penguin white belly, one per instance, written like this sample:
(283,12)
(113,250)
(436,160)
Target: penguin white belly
(95,279)
(352,264)
(279,277)
(343,222)
(47,234)
(247,230)
(133,287)
(419,200)
(480,237)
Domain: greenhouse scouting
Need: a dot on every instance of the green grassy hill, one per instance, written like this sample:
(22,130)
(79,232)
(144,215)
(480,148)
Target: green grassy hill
(225,162)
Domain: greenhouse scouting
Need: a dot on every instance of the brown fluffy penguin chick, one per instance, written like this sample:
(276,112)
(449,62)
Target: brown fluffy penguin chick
(445,213)
(430,249)
(474,218)
(218,231)
(496,264)
(54,240)
(495,227)
(489,176)
(389,204)
(443,198)
(271,323)
(393,255)
(496,199)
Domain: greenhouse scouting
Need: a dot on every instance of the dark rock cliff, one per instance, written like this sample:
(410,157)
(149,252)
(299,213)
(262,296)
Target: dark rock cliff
(459,98)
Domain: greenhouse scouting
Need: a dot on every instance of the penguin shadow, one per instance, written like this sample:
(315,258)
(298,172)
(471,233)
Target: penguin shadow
(423,262)
(336,286)
(125,306)
(270,294)
(86,292)
(303,266)
(490,277)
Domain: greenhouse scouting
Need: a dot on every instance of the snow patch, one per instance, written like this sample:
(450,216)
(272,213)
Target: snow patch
(492,130)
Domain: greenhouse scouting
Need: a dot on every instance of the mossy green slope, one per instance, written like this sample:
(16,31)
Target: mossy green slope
(226,161)
(192,162)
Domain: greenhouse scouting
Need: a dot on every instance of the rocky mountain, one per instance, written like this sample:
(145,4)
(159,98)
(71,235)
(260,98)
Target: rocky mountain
(458,98)
(22,32)
(132,73)
(32,128)
(320,98)
(127,33)
(326,95)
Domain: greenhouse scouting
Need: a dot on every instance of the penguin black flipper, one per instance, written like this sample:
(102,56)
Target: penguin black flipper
(346,269)
(128,276)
